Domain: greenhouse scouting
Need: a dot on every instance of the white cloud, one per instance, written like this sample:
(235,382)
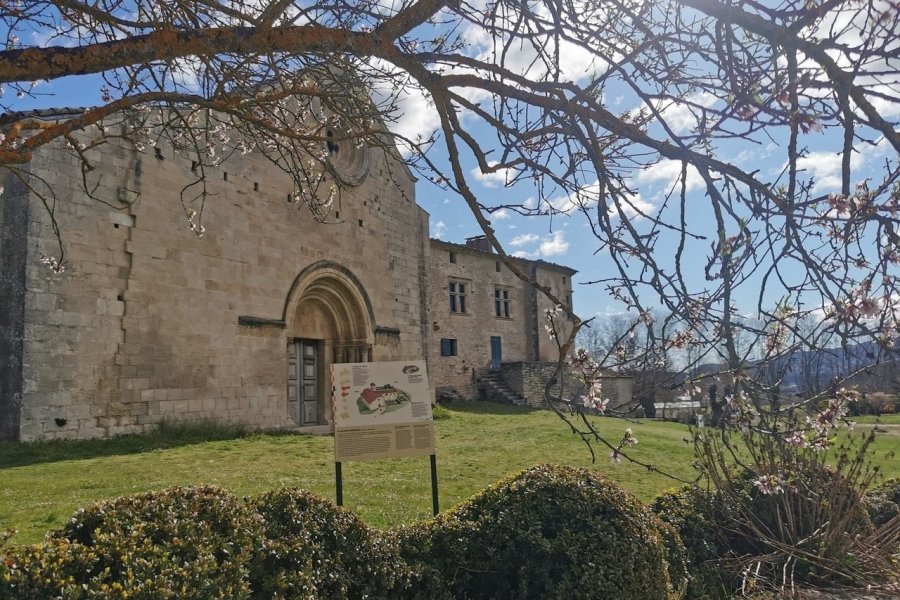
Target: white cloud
(632,205)
(500,215)
(493,180)
(554,245)
(438,230)
(530,202)
(668,172)
(524,239)
(825,168)
(413,116)
(683,116)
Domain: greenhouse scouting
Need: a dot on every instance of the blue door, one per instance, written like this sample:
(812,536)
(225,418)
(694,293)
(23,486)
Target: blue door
(496,352)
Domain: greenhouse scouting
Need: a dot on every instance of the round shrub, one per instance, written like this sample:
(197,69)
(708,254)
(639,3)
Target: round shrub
(883,501)
(54,569)
(689,510)
(174,543)
(314,549)
(548,532)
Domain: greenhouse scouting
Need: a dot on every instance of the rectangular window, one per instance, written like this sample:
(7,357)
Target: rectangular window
(497,266)
(501,302)
(453,257)
(458,294)
(448,347)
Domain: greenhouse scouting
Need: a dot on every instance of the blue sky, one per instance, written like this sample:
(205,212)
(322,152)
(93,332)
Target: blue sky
(566,238)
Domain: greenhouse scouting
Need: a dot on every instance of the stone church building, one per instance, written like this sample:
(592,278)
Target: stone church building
(151,323)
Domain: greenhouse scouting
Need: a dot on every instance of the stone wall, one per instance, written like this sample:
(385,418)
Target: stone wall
(151,322)
(529,380)
(483,275)
(13,250)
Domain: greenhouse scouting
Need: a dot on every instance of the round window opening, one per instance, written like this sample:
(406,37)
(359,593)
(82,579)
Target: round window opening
(348,156)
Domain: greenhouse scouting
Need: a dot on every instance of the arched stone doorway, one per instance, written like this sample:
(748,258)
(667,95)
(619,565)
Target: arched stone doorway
(328,319)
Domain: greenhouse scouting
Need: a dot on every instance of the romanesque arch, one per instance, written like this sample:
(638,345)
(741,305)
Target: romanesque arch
(328,319)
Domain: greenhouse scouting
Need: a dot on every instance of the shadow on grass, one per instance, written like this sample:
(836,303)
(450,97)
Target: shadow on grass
(167,435)
(487,408)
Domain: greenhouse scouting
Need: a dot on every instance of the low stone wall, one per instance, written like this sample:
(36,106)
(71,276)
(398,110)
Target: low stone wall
(529,380)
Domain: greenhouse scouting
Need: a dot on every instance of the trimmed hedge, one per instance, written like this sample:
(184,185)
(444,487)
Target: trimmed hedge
(314,549)
(689,510)
(174,543)
(548,532)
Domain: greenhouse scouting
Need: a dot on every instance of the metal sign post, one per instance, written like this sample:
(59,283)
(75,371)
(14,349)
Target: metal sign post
(382,410)
(434,489)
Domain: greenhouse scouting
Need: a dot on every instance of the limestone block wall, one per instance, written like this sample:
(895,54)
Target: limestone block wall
(144,324)
(483,274)
(13,234)
(529,380)
(472,330)
(559,280)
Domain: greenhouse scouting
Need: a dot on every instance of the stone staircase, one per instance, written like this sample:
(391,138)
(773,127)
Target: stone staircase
(491,388)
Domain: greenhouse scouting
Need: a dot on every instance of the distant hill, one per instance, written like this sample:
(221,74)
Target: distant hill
(869,367)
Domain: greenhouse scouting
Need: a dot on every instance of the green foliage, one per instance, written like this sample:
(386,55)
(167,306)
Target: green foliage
(167,435)
(548,532)
(440,413)
(174,543)
(792,514)
(689,510)
(314,549)
(55,569)
(883,501)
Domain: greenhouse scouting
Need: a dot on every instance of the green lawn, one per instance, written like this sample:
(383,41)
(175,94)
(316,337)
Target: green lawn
(42,484)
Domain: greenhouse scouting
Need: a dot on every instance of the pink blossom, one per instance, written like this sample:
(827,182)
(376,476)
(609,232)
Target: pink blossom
(770,484)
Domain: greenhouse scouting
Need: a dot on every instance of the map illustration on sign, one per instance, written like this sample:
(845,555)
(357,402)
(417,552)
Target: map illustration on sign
(381,410)
(381,399)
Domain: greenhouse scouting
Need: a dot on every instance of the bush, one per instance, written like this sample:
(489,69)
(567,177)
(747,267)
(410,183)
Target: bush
(548,532)
(314,549)
(876,403)
(883,501)
(689,510)
(175,543)
(54,569)
(787,507)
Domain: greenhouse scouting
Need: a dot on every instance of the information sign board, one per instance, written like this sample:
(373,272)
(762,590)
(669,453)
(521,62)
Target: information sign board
(381,410)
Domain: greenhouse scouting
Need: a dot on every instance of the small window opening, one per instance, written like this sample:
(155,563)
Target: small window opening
(255,186)
(448,347)
(453,257)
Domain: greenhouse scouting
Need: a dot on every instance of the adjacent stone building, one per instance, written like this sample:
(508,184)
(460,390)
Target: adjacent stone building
(483,316)
(151,323)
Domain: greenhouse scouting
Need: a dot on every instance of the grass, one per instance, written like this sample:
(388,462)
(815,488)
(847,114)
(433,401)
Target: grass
(42,484)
